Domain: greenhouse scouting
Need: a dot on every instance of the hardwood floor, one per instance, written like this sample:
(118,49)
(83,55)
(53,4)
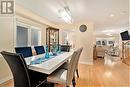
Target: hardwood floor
(7,84)
(111,74)
(104,73)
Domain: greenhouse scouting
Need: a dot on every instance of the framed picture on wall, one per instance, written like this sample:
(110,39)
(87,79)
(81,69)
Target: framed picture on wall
(98,42)
(111,42)
(104,42)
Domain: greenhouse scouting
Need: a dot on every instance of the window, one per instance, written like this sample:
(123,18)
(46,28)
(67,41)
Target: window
(22,36)
(27,35)
(35,37)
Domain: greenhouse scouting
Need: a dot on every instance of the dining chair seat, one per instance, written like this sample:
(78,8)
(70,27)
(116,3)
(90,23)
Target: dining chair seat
(65,66)
(59,76)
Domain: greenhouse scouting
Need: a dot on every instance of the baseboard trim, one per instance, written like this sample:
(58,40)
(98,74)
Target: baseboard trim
(5,79)
(88,63)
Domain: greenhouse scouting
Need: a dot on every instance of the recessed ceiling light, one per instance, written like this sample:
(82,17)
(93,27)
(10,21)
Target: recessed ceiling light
(112,15)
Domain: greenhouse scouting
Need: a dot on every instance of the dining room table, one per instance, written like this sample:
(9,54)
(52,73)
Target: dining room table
(47,65)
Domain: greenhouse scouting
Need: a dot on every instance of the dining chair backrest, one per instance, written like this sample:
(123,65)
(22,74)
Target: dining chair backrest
(78,56)
(72,67)
(39,49)
(65,48)
(25,51)
(18,68)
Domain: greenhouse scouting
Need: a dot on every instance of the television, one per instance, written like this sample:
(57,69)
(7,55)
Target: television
(125,35)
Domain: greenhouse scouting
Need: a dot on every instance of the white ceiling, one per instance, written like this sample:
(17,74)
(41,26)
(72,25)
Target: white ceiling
(97,11)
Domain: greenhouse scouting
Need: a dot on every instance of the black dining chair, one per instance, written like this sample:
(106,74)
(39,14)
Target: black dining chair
(39,49)
(65,48)
(25,51)
(23,77)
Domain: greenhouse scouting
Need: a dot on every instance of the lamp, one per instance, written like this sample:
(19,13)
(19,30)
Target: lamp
(66,15)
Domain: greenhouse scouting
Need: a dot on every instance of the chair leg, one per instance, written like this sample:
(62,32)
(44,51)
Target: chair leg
(77,73)
(73,82)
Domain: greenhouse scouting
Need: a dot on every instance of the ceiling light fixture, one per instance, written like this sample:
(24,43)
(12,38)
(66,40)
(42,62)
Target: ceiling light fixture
(66,15)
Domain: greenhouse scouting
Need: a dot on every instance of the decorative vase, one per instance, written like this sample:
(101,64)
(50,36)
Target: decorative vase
(47,52)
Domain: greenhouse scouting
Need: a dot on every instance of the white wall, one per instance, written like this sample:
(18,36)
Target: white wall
(6,43)
(82,39)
